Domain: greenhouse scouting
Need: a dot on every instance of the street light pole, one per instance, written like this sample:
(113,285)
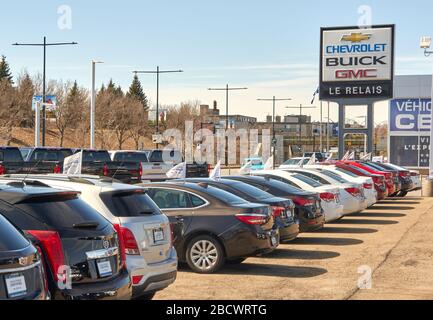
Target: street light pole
(157,72)
(44,45)
(227,89)
(301,107)
(93,105)
(274,100)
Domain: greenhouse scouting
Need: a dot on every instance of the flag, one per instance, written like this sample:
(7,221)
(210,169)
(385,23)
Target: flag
(352,156)
(246,169)
(346,156)
(177,172)
(216,172)
(258,150)
(301,163)
(367,157)
(72,165)
(314,95)
(269,165)
(331,155)
(312,160)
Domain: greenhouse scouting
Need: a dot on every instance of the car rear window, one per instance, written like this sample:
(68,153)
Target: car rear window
(11,155)
(96,156)
(10,238)
(223,196)
(346,172)
(253,192)
(307,180)
(131,157)
(334,176)
(130,203)
(50,155)
(165,156)
(62,213)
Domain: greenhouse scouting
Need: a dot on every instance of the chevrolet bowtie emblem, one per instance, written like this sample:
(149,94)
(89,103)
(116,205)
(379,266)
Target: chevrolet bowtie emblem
(356,37)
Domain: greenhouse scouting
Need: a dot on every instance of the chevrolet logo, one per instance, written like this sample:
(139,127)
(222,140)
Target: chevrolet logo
(356,37)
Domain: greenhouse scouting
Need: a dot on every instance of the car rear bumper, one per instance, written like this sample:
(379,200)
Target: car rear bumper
(289,233)
(308,225)
(118,288)
(154,283)
(249,244)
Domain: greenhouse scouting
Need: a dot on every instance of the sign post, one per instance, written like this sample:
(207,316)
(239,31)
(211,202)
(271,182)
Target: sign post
(38,124)
(357,68)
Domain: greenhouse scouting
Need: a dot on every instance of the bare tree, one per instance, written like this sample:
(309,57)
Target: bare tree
(10,113)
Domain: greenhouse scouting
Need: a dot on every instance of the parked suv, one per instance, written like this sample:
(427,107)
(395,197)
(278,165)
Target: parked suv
(215,225)
(150,257)
(82,252)
(22,275)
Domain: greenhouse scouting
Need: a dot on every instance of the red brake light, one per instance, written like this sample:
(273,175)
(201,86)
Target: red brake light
(252,219)
(327,196)
(105,171)
(368,186)
(136,280)
(303,202)
(354,191)
(57,169)
(2,170)
(277,211)
(414,174)
(140,170)
(52,244)
(121,245)
(129,242)
(404,174)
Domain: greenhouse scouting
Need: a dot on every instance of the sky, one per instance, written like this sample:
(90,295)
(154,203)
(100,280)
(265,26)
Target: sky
(271,47)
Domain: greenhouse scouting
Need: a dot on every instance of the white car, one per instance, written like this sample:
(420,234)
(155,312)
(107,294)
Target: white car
(330,196)
(370,192)
(151,258)
(352,194)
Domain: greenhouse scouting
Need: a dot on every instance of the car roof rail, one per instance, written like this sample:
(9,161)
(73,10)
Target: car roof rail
(32,183)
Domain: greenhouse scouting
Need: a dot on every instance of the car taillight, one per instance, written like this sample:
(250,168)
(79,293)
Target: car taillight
(2,170)
(277,211)
(121,245)
(252,219)
(368,186)
(140,171)
(57,169)
(136,280)
(105,171)
(52,245)
(404,174)
(327,196)
(303,201)
(354,191)
(209,168)
(129,242)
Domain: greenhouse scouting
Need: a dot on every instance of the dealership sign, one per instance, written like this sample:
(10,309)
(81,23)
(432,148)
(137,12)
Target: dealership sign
(357,63)
(409,126)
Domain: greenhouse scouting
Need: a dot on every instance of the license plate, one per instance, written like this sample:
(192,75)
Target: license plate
(274,241)
(104,268)
(16,286)
(284,214)
(158,235)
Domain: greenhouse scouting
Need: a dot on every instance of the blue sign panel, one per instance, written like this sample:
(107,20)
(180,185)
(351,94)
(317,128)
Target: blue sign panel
(410,116)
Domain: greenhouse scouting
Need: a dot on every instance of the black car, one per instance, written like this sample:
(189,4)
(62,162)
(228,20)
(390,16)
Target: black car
(395,175)
(22,275)
(83,255)
(47,155)
(12,162)
(403,175)
(283,209)
(215,225)
(308,204)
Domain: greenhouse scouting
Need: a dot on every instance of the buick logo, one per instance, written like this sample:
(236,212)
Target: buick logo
(106,244)
(22,261)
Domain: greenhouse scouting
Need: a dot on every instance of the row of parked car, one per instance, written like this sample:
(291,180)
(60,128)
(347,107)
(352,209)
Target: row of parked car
(93,237)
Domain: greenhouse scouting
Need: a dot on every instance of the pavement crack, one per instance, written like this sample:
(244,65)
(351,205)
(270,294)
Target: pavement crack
(387,255)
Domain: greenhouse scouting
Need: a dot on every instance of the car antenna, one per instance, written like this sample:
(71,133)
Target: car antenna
(28,173)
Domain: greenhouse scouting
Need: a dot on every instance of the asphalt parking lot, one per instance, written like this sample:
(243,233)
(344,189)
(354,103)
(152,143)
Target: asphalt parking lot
(392,239)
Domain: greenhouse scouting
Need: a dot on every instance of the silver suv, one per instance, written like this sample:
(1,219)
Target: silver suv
(150,256)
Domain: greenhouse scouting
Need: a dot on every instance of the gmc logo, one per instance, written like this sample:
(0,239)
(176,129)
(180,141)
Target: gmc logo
(356,74)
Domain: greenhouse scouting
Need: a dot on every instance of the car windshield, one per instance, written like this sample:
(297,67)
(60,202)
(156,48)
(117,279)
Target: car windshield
(131,203)
(10,155)
(96,156)
(131,157)
(307,180)
(293,162)
(334,176)
(50,155)
(165,156)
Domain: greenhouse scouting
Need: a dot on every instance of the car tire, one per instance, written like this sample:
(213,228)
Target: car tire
(204,254)
(236,261)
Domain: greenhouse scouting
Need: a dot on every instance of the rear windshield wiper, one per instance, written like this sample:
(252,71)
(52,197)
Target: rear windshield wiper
(86,225)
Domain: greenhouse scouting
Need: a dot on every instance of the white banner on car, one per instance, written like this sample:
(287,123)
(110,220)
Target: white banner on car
(216,172)
(177,172)
(73,165)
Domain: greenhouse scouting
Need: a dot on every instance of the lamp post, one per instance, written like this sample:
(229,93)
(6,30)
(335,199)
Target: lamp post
(300,108)
(426,44)
(44,45)
(274,100)
(157,72)
(93,105)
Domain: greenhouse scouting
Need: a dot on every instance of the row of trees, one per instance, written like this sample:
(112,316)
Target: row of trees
(119,115)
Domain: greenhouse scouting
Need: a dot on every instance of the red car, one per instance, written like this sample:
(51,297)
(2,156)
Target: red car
(390,178)
(379,180)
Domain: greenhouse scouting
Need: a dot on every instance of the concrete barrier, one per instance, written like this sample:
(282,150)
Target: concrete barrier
(427,188)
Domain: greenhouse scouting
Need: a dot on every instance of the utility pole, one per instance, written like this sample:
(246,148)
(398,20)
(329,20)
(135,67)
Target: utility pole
(157,72)
(93,105)
(274,100)
(227,89)
(44,45)
(300,108)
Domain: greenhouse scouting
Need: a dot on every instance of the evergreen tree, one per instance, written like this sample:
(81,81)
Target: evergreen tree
(5,72)
(136,91)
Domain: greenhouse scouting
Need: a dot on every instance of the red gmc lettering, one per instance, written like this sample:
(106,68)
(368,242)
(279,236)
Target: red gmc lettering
(356,74)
